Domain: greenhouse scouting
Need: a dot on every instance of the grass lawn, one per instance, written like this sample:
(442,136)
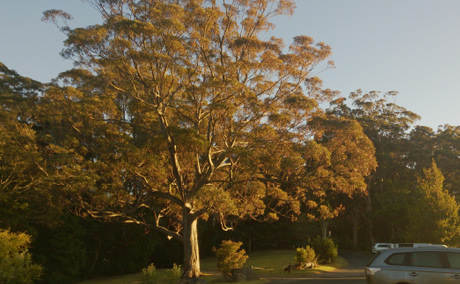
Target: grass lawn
(265,264)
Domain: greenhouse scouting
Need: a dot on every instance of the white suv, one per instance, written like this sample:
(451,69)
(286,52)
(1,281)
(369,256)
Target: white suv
(425,264)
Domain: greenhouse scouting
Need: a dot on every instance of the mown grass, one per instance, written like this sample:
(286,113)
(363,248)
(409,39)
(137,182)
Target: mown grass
(135,278)
(266,264)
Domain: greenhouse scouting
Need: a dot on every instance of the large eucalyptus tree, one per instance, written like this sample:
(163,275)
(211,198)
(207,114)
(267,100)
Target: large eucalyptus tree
(195,92)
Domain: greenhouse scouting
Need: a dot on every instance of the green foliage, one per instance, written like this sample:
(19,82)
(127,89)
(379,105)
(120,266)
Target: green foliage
(230,256)
(25,197)
(390,187)
(16,265)
(120,248)
(61,250)
(434,214)
(325,249)
(174,274)
(149,274)
(447,151)
(79,248)
(305,255)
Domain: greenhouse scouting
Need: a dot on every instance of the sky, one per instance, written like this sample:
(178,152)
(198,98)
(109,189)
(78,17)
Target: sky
(409,46)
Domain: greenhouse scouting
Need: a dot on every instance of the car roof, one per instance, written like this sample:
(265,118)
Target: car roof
(422,248)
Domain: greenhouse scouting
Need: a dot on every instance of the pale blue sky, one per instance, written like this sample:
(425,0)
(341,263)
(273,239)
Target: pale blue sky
(411,46)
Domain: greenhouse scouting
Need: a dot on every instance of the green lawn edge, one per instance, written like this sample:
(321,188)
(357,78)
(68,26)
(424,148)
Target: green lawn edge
(266,264)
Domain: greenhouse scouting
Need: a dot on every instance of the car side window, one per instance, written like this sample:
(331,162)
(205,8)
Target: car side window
(427,259)
(454,259)
(396,259)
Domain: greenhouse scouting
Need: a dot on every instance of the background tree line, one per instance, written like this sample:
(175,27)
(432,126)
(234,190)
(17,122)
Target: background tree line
(180,120)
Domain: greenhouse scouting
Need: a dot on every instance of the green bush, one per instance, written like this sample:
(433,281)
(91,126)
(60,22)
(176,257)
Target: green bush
(149,274)
(229,257)
(325,249)
(305,255)
(16,265)
(174,274)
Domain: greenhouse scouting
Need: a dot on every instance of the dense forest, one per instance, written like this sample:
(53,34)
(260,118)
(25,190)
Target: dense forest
(181,126)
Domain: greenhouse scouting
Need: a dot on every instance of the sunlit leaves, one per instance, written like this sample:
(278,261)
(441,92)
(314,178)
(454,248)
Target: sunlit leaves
(191,109)
(434,214)
(55,16)
(352,153)
(217,200)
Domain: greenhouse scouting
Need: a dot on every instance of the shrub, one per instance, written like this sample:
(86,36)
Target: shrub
(305,255)
(325,249)
(174,274)
(229,257)
(15,261)
(149,274)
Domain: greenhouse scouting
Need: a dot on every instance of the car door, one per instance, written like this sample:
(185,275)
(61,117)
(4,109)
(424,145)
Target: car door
(453,259)
(429,267)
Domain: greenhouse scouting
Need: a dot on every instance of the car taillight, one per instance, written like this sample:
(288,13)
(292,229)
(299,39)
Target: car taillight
(372,270)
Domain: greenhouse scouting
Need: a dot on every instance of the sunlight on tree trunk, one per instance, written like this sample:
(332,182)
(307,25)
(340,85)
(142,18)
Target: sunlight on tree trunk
(191,248)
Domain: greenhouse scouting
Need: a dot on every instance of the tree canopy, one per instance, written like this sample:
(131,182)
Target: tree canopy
(185,109)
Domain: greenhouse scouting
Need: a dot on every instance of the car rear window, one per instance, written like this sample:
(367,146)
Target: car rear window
(372,258)
(397,259)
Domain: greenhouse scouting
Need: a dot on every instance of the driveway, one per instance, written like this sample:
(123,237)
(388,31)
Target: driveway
(352,274)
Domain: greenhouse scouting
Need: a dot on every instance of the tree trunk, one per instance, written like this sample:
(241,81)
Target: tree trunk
(324,226)
(355,222)
(370,223)
(368,200)
(191,247)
